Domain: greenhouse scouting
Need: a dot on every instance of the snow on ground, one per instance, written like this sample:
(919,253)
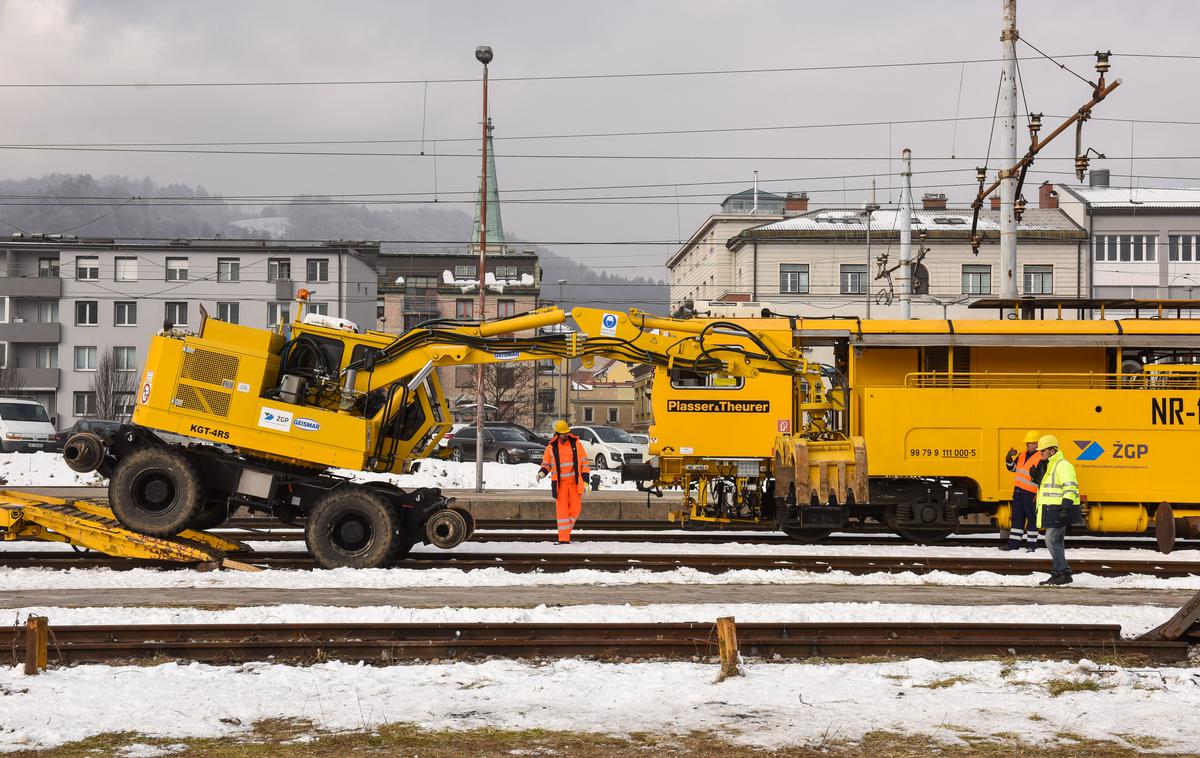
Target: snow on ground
(13,579)
(1133,619)
(774,705)
(48,470)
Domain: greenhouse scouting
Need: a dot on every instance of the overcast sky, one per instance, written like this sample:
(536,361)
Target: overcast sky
(58,41)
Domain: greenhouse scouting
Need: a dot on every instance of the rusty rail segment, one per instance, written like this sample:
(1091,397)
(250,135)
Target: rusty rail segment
(393,643)
(560,561)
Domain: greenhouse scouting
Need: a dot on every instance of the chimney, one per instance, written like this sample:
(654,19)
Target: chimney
(1098,177)
(1047,196)
(995,202)
(795,202)
(934,201)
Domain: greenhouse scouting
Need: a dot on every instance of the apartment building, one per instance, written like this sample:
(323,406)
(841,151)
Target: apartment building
(817,262)
(66,303)
(1144,243)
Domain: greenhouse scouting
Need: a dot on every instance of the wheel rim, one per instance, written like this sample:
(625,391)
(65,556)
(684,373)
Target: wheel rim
(502,457)
(601,461)
(351,533)
(154,491)
(457,454)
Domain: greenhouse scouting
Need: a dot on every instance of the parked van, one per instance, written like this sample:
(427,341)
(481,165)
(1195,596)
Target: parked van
(24,426)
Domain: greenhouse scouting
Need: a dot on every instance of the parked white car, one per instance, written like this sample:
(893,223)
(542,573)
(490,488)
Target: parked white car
(24,426)
(608,447)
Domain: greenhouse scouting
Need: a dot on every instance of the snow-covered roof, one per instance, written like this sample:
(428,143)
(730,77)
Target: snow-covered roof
(1126,197)
(851,222)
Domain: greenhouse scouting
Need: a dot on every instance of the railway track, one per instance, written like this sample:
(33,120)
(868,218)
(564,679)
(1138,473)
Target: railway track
(395,643)
(560,561)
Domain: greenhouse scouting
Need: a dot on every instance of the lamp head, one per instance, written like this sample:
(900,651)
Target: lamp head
(483,54)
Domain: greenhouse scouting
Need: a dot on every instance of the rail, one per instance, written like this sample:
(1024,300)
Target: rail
(392,643)
(1152,378)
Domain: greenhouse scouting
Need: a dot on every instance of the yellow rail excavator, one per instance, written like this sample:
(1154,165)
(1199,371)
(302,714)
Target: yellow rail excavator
(284,409)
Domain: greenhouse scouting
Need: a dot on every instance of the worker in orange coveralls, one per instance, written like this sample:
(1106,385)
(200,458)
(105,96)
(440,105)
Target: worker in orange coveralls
(566,460)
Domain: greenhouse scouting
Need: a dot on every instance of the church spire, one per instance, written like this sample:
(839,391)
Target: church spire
(495,228)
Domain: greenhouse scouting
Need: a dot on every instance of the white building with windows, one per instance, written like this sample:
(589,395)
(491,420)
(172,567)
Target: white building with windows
(65,303)
(816,263)
(1145,243)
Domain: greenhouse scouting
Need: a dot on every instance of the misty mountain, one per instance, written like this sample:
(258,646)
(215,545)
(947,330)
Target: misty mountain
(119,207)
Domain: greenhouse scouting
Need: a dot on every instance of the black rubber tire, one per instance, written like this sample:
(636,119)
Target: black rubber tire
(456,454)
(502,456)
(807,535)
(156,491)
(353,527)
(601,462)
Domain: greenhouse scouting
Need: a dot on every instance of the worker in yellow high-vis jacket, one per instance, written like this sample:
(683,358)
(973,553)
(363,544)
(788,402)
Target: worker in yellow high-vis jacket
(1057,503)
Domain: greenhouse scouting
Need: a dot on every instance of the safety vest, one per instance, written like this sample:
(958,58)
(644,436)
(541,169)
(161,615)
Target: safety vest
(1021,478)
(1058,483)
(565,458)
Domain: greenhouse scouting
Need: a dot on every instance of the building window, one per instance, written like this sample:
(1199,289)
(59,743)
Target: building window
(589,414)
(976,279)
(85,358)
(614,415)
(177,313)
(229,270)
(506,272)
(278,269)
(854,279)
(125,269)
(1183,247)
(230,313)
(87,313)
(464,310)
(506,308)
(278,313)
(464,376)
(466,271)
(318,269)
(1039,280)
(125,358)
(1125,248)
(545,399)
(379,311)
(124,403)
(46,356)
(321,309)
(3,355)
(125,313)
(48,268)
(420,283)
(3,310)
(48,312)
(177,269)
(793,278)
(87,269)
(85,403)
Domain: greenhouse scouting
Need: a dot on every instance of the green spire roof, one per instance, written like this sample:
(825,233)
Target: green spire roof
(495,227)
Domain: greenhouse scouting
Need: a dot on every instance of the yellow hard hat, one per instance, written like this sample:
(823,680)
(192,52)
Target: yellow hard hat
(1033,436)
(1047,440)
(562,427)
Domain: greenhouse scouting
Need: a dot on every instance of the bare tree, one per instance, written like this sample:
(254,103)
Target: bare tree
(113,388)
(12,382)
(509,387)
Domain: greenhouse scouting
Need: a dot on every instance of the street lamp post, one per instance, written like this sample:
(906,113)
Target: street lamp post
(870,208)
(483,54)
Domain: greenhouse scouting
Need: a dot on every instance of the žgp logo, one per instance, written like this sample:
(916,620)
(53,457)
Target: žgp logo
(1090,450)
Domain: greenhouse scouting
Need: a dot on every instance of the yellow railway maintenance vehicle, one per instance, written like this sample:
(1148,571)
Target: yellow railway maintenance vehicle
(909,421)
(283,411)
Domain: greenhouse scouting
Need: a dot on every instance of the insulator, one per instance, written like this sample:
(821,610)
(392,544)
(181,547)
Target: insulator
(1102,64)
(1019,208)
(981,174)
(1035,123)
(1081,166)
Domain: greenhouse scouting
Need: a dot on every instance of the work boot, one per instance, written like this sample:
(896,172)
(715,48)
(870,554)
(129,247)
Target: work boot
(1031,549)
(1053,579)
(1061,579)
(1011,546)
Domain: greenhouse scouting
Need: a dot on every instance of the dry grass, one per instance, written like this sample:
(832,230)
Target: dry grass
(1058,687)
(300,739)
(950,681)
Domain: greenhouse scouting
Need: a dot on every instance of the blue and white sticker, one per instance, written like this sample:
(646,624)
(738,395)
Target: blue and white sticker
(307,424)
(273,418)
(507,355)
(608,325)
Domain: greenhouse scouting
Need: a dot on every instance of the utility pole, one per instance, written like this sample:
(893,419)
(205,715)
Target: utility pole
(904,273)
(483,54)
(870,208)
(1008,176)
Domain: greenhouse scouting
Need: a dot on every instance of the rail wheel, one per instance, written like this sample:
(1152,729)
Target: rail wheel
(447,528)
(353,527)
(155,491)
(83,452)
(918,535)
(806,534)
